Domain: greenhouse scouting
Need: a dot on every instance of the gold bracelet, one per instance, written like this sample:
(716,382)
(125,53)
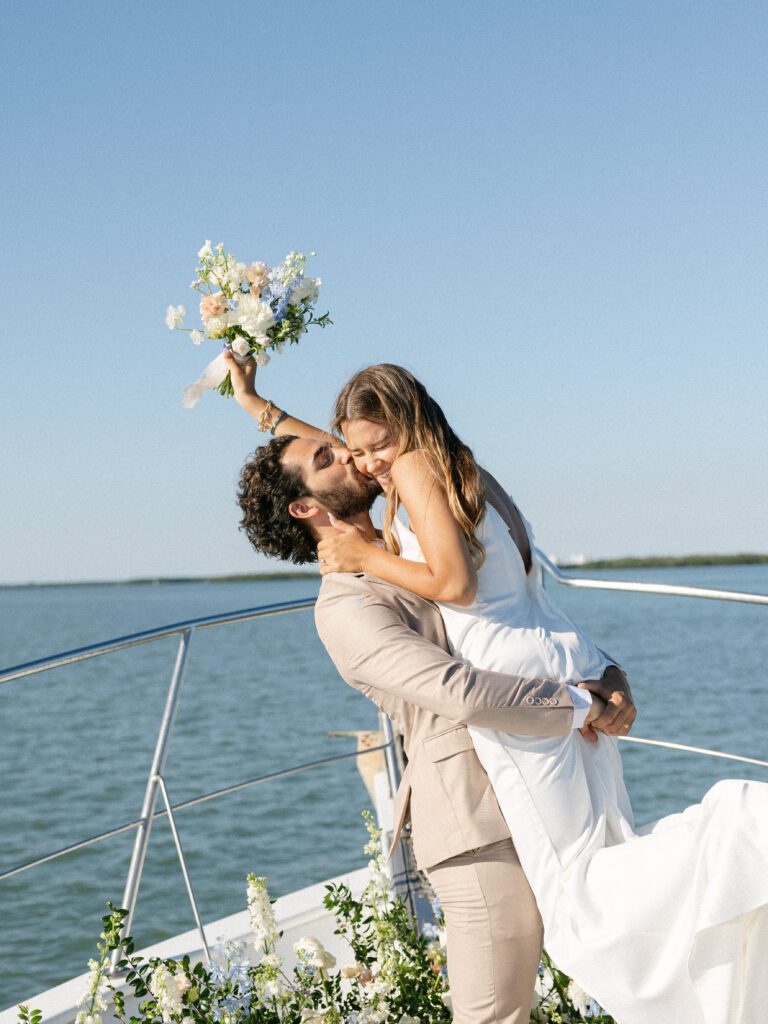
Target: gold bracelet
(266,416)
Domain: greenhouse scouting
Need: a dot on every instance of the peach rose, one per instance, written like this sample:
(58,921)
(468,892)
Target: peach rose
(212,305)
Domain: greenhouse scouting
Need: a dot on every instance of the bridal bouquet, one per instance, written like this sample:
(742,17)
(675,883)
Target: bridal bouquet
(251,308)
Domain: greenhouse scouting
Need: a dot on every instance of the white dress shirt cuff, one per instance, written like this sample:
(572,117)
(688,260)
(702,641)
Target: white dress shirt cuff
(582,702)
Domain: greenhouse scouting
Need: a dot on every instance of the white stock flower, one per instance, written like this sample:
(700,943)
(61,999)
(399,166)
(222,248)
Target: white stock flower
(197,337)
(93,996)
(206,250)
(174,316)
(253,315)
(241,347)
(262,917)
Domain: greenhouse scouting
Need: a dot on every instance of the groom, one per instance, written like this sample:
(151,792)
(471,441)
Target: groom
(391,645)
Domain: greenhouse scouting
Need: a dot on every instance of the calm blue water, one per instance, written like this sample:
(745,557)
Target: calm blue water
(77,744)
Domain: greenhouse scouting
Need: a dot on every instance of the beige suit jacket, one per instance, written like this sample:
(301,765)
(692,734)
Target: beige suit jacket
(391,645)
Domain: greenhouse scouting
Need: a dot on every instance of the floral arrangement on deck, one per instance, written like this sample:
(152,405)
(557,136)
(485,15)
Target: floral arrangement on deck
(251,308)
(397,976)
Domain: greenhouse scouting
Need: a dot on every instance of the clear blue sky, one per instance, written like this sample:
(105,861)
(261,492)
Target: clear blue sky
(554,213)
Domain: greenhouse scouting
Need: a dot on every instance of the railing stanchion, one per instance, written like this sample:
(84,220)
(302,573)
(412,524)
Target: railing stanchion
(159,758)
(183,862)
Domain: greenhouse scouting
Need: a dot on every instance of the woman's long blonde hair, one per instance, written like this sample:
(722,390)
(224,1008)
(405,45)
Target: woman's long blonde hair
(389,395)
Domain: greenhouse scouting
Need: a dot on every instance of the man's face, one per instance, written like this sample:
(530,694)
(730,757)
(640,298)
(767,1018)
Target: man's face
(330,476)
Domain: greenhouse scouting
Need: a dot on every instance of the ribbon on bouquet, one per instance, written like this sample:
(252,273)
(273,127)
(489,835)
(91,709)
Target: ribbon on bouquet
(211,377)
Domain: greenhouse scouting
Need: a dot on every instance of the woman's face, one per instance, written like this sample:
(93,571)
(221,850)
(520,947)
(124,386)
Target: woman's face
(372,447)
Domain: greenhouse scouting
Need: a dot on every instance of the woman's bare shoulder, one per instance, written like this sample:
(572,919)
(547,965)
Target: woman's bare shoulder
(413,465)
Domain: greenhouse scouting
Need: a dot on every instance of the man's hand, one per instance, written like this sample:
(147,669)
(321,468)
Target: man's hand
(619,711)
(344,552)
(596,709)
(243,378)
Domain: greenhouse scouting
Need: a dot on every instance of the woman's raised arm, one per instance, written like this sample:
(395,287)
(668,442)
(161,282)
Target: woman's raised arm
(264,411)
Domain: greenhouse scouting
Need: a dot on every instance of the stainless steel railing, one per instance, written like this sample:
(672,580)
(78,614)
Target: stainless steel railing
(393,750)
(155,780)
(670,590)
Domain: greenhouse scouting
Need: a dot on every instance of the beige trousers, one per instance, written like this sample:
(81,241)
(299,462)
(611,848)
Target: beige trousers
(494,934)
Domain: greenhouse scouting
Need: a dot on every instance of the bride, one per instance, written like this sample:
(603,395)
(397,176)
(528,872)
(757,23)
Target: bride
(685,941)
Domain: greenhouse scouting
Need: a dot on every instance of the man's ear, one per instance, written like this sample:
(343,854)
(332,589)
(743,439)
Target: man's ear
(303,509)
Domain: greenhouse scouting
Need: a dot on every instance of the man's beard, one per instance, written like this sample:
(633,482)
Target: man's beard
(350,499)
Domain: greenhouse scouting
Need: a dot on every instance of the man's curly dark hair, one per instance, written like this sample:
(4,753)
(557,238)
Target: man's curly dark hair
(267,488)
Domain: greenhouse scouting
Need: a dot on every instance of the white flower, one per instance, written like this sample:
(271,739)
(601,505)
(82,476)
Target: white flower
(197,337)
(241,347)
(253,315)
(274,988)
(407,1019)
(262,916)
(216,326)
(168,989)
(93,996)
(446,997)
(307,288)
(262,359)
(313,952)
(206,250)
(174,316)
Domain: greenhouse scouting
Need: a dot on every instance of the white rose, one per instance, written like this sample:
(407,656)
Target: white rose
(241,347)
(197,337)
(352,971)
(313,951)
(262,359)
(307,944)
(174,316)
(323,960)
(253,315)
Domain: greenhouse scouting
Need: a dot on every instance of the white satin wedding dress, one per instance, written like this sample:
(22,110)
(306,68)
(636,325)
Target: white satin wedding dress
(666,924)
